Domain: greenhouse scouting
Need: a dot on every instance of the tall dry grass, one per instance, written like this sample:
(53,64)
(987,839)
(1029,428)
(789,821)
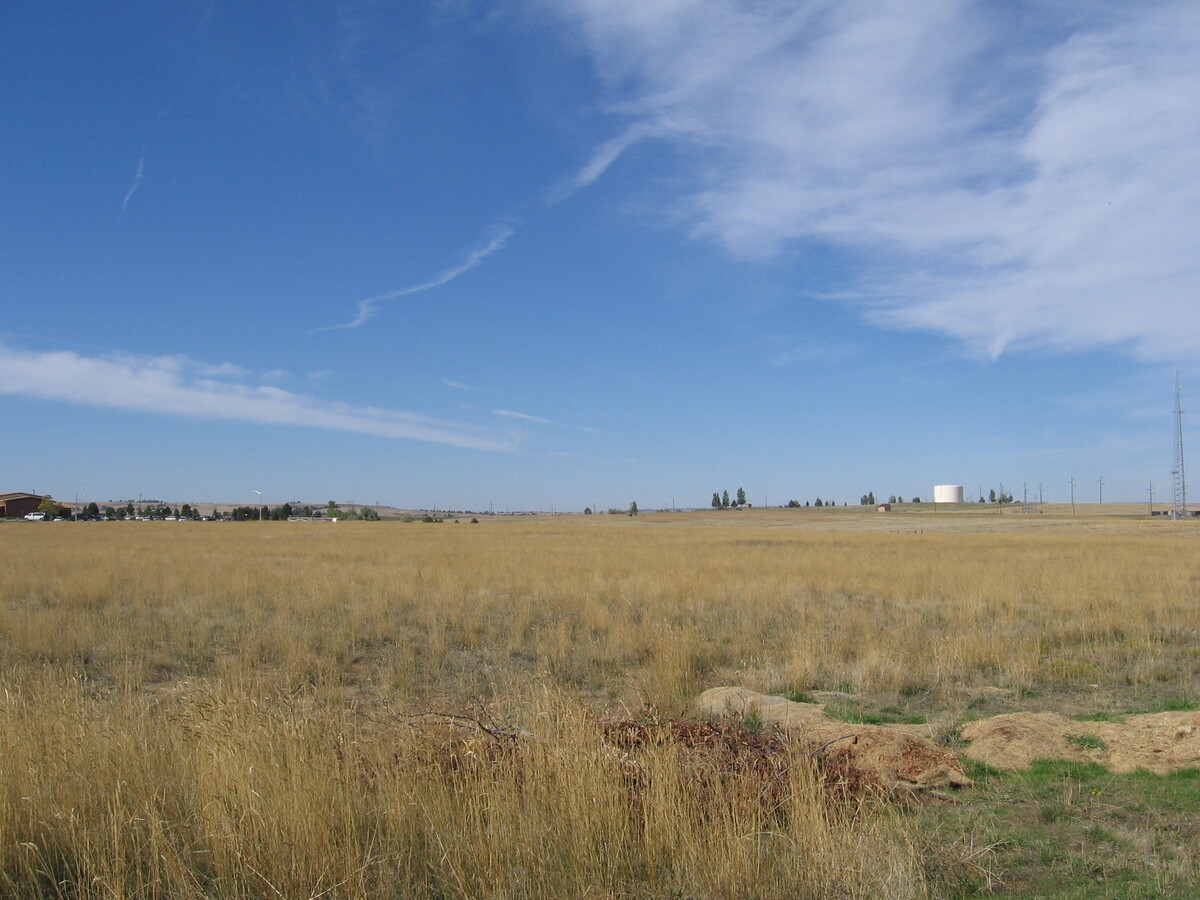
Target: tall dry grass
(218,710)
(624,610)
(240,790)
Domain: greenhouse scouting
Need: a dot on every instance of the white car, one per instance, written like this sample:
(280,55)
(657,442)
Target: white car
(35,516)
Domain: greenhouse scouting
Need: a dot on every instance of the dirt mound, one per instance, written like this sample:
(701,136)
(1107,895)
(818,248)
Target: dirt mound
(1158,742)
(741,702)
(897,757)
(907,756)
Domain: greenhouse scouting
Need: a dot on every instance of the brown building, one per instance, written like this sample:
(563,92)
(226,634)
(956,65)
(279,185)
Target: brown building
(13,506)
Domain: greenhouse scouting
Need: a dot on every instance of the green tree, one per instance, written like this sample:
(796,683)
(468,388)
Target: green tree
(992,496)
(792,504)
(818,503)
(725,499)
(633,508)
(716,500)
(741,497)
(51,507)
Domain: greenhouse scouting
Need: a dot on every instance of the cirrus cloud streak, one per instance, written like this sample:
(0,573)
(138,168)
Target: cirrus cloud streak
(176,385)
(1009,175)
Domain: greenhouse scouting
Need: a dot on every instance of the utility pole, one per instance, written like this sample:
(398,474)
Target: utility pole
(1179,508)
(1101,490)
(1151,509)
(1072,495)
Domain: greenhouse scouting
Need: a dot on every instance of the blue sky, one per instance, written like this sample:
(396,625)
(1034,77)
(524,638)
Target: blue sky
(531,254)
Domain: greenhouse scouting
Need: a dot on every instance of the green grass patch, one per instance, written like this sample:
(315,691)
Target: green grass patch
(888,715)
(752,721)
(1099,717)
(1066,830)
(1086,742)
(1173,704)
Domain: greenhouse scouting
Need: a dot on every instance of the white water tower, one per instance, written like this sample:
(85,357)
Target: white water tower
(947,493)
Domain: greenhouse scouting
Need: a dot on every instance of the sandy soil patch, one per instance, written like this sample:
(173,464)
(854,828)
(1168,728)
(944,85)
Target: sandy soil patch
(1159,742)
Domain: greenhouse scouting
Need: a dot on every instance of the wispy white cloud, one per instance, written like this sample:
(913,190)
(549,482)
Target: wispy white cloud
(607,154)
(793,352)
(457,385)
(367,308)
(598,163)
(525,417)
(1008,175)
(137,180)
(538,420)
(176,385)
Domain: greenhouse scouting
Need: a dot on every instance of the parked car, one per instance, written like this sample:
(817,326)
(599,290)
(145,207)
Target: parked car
(35,516)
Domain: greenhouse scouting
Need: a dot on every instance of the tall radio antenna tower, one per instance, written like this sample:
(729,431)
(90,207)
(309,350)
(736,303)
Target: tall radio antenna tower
(1178,482)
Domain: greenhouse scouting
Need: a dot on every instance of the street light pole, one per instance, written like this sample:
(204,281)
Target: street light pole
(259,504)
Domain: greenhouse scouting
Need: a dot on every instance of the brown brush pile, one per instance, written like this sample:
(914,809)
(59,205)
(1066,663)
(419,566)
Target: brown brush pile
(713,753)
(729,750)
(896,757)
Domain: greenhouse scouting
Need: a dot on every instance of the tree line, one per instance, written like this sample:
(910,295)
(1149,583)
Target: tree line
(721,500)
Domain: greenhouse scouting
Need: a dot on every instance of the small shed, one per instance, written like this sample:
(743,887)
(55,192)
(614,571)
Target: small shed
(884,507)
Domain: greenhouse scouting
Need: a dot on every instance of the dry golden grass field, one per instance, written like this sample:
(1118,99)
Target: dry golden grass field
(265,709)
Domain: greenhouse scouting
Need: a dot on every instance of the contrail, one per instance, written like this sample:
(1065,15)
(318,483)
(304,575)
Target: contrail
(366,308)
(606,155)
(137,180)
(599,162)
